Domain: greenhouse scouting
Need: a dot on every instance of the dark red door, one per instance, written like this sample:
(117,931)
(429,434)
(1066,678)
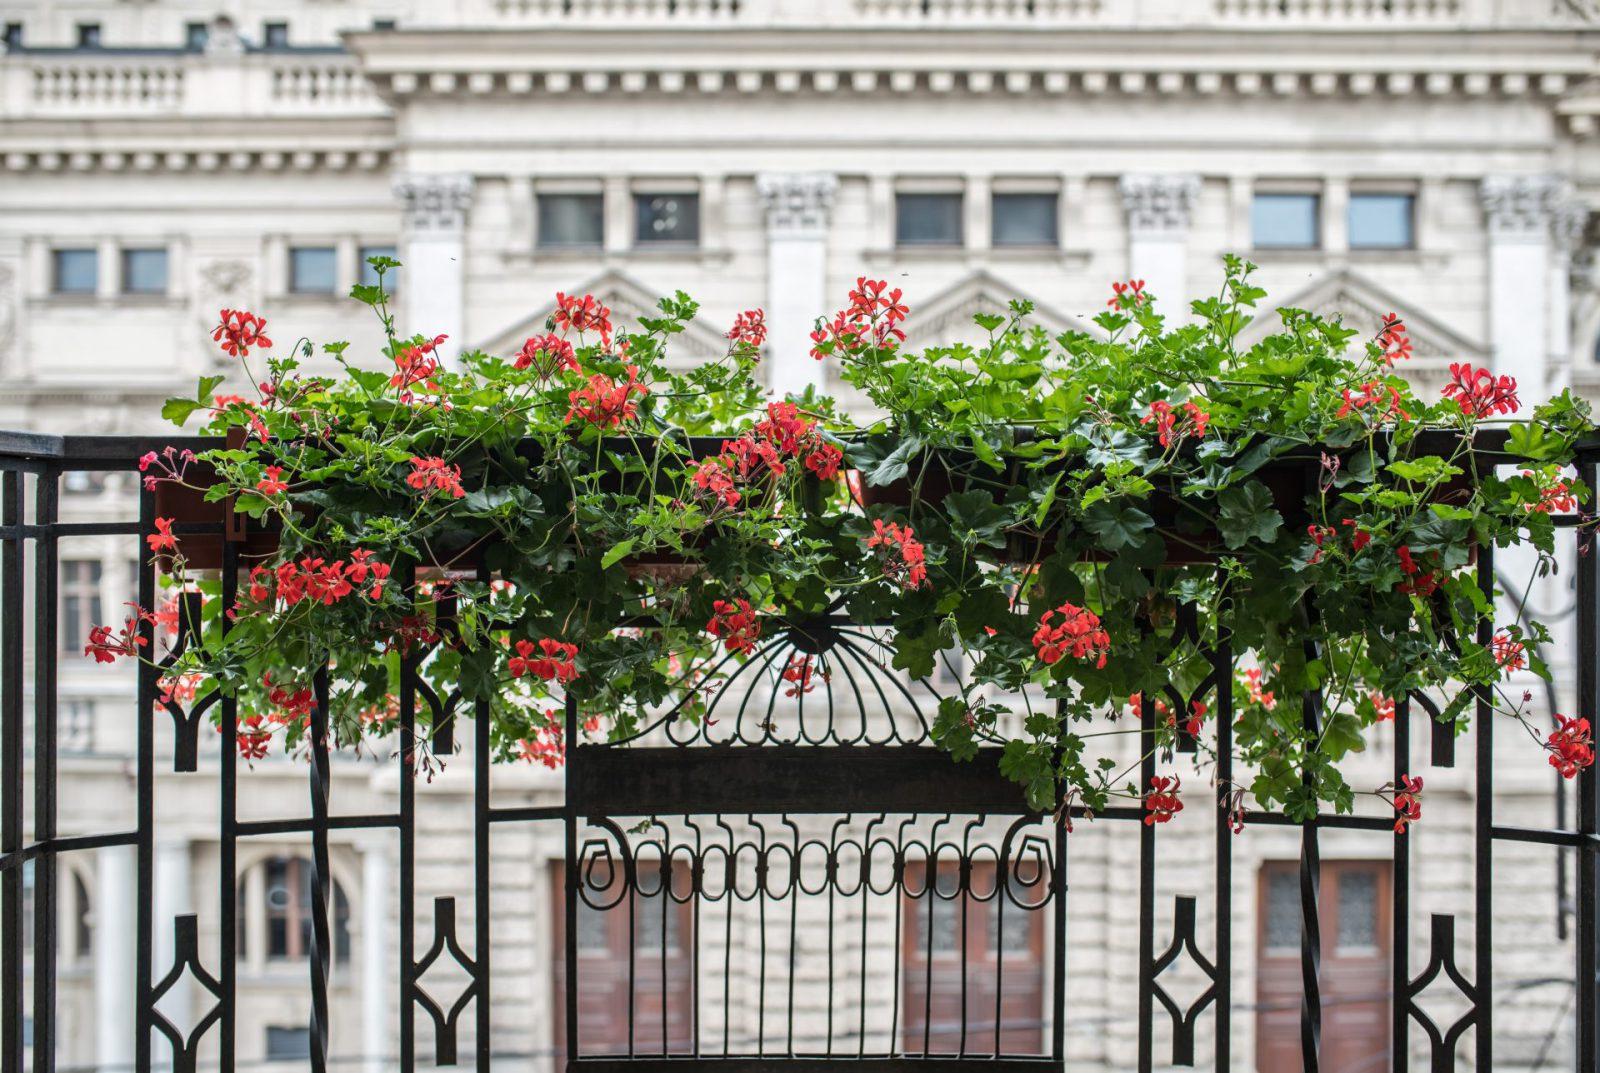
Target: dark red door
(988,943)
(650,998)
(1353,912)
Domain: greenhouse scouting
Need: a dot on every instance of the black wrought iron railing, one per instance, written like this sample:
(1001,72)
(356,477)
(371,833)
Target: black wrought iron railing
(795,881)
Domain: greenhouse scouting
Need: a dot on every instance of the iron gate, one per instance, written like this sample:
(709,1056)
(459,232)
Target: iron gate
(831,810)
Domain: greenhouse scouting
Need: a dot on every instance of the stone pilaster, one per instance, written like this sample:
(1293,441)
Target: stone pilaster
(433,250)
(1158,208)
(799,206)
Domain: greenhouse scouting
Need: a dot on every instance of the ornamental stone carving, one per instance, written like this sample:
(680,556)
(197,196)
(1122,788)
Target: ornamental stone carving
(1159,204)
(1525,207)
(797,201)
(434,204)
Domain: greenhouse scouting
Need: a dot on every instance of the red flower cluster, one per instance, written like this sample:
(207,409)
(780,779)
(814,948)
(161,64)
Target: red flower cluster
(786,433)
(1383,704)
(749,329)
(1252,685)
(1418,582)
(430,475)
(319,581)
(254,736)
(903,558)
(1382,399)
(1127,295)
(162,539)
(550,660)
(1571,746)
(238,331)
(1480,393)
(604,402)
(1509,654)
(798,674)
(1176,422)
(1161,803)
(736,623)
(1078,634)
(547,355)
(416,365)
(584,314)
(170,465)
(105,646)
(1555,499)
(271,482)
(291,705)
(1392,339)
(548,744)
(1407,802)
(872,319)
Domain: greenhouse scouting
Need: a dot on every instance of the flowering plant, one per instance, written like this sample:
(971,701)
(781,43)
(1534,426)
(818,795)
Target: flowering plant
(1085,518)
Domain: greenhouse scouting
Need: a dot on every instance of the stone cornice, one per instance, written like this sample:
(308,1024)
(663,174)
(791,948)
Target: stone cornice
(181,159)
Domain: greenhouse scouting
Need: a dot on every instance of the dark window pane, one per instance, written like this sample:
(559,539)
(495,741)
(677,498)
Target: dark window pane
(1358,910)
(195,36)
(312,269)
(84,938)
(80,602)
(275,35)
(14,35)
(88,35)
(288,1043)
(144,271)
(383,24)
(1283,909)
(369,275)
(927,220)
(76,271)
(1025,220)
(667,218)
(1285,221)
(571,219)
(1382,221)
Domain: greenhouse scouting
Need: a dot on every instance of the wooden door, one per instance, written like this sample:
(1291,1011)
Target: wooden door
(650,996)
(1353,913)
(1002,969)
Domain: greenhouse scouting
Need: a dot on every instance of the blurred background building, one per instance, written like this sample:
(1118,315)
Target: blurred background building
(162,160)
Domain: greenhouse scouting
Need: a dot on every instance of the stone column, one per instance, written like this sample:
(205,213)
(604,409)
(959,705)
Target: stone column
(1158,208)
(174,897)
(114,967)
(1518,210)
(798,208)
(377,956)
(433,250)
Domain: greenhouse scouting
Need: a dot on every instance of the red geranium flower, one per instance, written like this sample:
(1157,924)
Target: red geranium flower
(1127,295)
(238,331)
(1078,634)
(1407,802)
(1480,393)
(1176,423)
(736,623)
(749,329)
(105,646)
(547,354)
(1557,498)
(604,402)
(162,539)
(902,555)
(1571,746)
(1161,802)
(271,483)
(1509,654)
(1392,339)
(583,315)
(550,660)
(1383,400)
(430,475)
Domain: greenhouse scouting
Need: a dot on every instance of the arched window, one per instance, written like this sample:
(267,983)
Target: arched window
(275,905)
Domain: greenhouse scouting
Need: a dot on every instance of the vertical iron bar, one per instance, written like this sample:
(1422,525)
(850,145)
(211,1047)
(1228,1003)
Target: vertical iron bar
(229,834)
(1147,892)
(11,773)
(1587,804)
(408,847)
(1222,660)
(571,879)
(1483,833)
(1310,888)
(144,715)
(321,880)
(45,646)
(480,851)
(1058,1000)
(1400,906)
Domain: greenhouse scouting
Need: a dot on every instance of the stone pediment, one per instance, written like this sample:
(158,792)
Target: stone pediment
(1362,304)
(946,318)
(628,301)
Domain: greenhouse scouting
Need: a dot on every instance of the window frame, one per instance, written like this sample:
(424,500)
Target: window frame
(57,256)
(269,30)
(1053,199)
(294,283)
(545,198)
(957,196)
(1410,198)
(89,35)
(1318,238)
(196,36)
(81,602)
(641,241)
(126,256)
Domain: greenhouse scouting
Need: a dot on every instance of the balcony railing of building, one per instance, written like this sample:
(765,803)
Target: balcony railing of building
(798,883)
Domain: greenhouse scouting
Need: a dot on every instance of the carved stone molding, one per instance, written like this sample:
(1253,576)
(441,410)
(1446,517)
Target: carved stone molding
(797,201)
(1159,204)
(1526,207)
(434,204)
(8,307)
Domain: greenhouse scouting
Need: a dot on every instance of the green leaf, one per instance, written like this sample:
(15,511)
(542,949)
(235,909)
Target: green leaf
(616,553)
(1246,513)
(985,453)
(180,410)
(1118,525)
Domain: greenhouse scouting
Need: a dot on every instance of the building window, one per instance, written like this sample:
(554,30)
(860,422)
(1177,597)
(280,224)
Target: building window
(76,271)
(287,898)
(1025,220)
(288,1043)
(80,602)
(76,733)
(275,35)
(572,221)
(88,35)
(313,270)
(369,275)
(927,219)
(13,36)
(1285,221)
(195,36)
(671,218)
(144,271)
(1382,221)
(383,24)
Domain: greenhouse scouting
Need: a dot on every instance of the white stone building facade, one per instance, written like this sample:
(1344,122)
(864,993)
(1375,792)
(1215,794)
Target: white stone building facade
(160,160)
